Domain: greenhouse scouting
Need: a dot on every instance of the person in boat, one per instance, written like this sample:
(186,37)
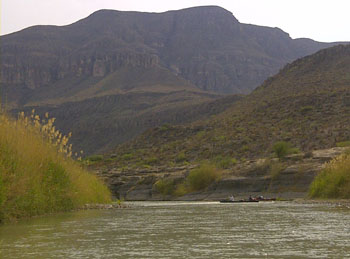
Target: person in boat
(250,198)
(232,198)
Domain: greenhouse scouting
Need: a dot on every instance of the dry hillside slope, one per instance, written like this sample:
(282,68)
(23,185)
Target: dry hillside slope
(306,104)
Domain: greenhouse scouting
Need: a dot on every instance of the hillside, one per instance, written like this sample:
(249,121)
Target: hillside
(99,124)
(306,104)
(114,55)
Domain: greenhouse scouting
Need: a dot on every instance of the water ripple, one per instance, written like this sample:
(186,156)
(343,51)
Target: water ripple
(184,229)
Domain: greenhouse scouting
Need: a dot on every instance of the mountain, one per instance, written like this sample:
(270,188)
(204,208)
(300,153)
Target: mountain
(307,104)
(193,55)
(205,45)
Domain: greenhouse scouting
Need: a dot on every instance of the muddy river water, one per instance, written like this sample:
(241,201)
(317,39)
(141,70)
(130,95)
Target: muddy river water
(184,230)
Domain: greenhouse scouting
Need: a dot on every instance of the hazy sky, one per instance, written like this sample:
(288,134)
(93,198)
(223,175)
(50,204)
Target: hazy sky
(322,20)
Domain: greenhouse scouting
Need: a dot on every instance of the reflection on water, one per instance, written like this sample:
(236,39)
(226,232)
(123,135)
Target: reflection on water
(183,230)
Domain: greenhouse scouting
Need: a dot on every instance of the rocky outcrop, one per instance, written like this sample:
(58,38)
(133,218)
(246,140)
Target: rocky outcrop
(35,71)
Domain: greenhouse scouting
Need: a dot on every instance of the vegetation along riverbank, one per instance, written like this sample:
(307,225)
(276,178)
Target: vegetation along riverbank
(37,172)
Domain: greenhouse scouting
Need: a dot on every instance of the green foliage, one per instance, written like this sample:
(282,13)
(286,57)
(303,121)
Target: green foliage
(200,134)
(293,150)
(282,148)
(127,156)
(343,144)
(275,169)
(219,138)
(197,180)
(200,178)
(57,187)
(94,158)
(165,186)
(151,161)
(245,148)
(181,190)
(181,157)
(165,127)
(120,202)
(306,109)
(2,194)
(224,162)
(288,121)
(333,181)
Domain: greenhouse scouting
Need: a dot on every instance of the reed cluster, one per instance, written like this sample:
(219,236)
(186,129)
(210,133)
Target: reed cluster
(37,172)
(334,180)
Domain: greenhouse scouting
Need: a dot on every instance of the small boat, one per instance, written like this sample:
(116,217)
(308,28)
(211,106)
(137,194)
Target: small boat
(238,201)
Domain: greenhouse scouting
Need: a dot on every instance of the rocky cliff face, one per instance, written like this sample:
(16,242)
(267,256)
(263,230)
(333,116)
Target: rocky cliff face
(37,71)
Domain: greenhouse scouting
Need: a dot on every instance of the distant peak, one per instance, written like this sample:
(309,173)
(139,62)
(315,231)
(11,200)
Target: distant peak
(104,12)
(202,10)
(206,7)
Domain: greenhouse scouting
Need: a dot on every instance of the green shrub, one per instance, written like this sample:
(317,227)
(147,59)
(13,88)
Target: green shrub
(343,144)
(288,121)
(224,162)
(94,158)
(151,161)
(181,157)
(281,149)
(127,156)
(200,178)
(165,127)
(2,194)
(293,150)
(200,134)
(181,190)
(245,148)
(306,109)
(165,186)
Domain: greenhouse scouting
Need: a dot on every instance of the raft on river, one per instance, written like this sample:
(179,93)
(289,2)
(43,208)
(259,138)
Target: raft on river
(238,201)
(257,199)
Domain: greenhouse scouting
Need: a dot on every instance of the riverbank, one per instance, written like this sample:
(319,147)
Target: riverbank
(289,178)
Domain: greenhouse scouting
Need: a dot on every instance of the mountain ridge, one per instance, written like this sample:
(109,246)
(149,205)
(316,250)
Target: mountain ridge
(108,39)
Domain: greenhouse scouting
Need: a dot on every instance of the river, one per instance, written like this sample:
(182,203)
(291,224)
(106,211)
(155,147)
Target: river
(184,230)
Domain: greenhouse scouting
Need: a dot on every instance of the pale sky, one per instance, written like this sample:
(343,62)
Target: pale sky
(321,20)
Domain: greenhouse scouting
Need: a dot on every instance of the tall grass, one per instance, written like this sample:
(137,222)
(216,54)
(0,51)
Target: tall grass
(334,180)
(37,173)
